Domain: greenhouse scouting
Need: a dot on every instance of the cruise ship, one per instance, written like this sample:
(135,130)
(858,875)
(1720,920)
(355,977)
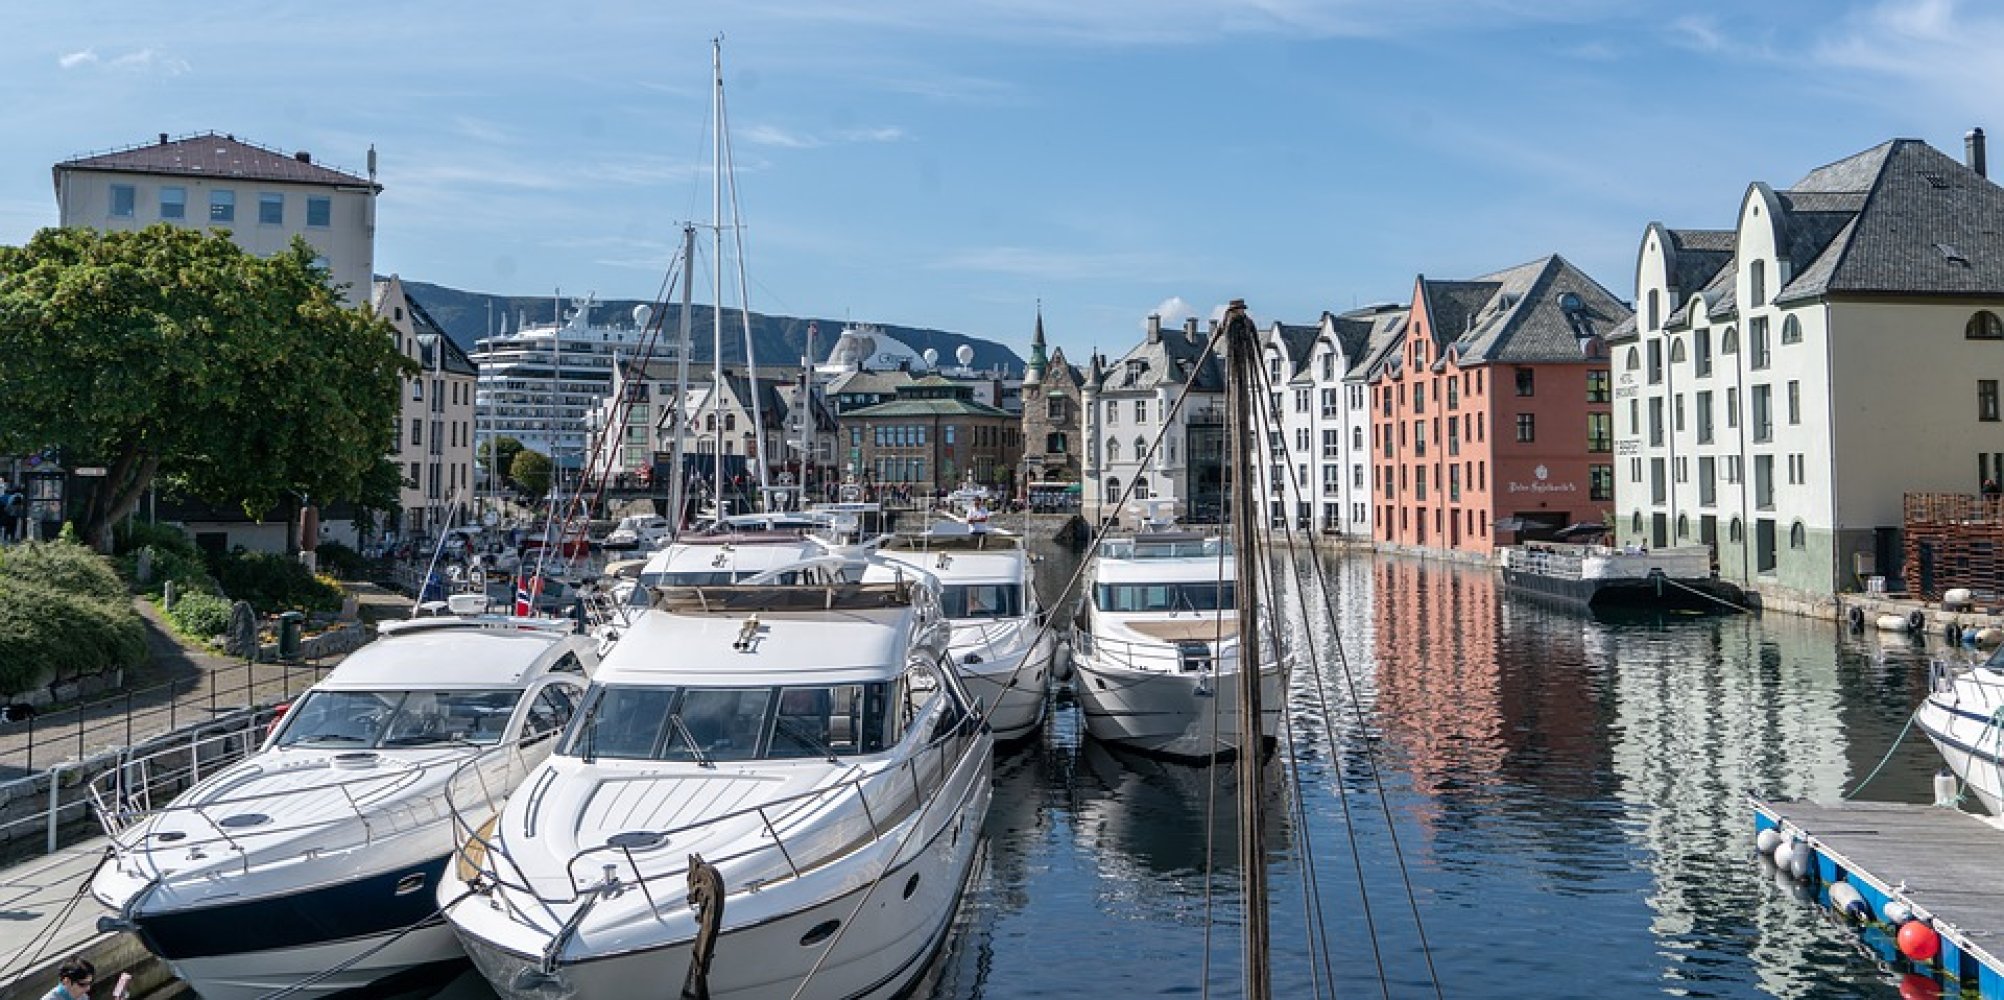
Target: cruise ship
(537,382)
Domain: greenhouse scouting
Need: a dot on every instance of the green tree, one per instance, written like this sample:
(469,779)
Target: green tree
(172,353)
(531,471)
(499,454)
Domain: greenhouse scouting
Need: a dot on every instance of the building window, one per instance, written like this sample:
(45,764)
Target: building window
(1112,449)
(173,203)
(1984,325)
(124,201)
(1701,349)
(1683,526)
(1798,536)
(1655,309)
(1791,330)
(1527,427)
(1986,399)
(1656,421)
(1794,402)
(1054,409)
(1677,412)
(1676,352)
(319,212)
(1054,443)
(1600,432)
(1704,407)
(1757,283)
(1729,342)
(1112,411)
(1736,532)
(271,209)
(1140,488)
(1140,411)
(1763,413)
(1526,381)
(1732,407)
(1655,362)
(222,205)
(1600,482)
(1113,487)
(1598,386)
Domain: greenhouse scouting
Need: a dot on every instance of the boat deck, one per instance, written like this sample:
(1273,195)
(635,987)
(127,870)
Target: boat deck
(1941,862)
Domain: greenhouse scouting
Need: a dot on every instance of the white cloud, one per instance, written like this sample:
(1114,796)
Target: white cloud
(1172,311)
(71,60)
(773,135)
(149,61)
(1939,46)
(1696,31)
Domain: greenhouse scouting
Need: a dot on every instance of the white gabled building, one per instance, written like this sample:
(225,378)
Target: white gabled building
(1788,381)
(1126,405)
(434,443)
(1315,478)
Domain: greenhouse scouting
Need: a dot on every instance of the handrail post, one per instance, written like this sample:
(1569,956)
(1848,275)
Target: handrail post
(56,800)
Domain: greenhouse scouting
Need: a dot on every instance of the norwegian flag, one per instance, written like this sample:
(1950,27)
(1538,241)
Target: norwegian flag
(525,596)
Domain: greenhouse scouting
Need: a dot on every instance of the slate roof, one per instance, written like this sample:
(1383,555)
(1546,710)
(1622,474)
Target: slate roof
(884,383)
(1700,254)
(925,408)
(1380,352)
(1297,342)
(1545,311)
(1172,358)
(1928,225)
(212,154)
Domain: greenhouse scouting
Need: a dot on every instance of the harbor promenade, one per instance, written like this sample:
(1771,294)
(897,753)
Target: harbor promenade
(46,912)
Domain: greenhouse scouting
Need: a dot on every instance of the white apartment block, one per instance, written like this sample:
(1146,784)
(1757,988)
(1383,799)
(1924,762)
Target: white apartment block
(264,197)
(1789,380)
(1316,477)
(1126,406)
(435,427)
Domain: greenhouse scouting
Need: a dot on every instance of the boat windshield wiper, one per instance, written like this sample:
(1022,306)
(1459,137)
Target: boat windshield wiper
(800,733)
(695,749)
(330,738)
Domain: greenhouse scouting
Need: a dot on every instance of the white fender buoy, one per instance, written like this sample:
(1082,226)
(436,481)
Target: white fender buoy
(1845,899)
(1896,912)
(1061,662)
(1799,860)
(1789,884)
(1987,637)
(1767,840)
(1891,622)
(1783,852)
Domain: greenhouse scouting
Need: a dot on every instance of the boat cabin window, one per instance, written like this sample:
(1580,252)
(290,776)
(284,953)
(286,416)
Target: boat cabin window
(569,664)
(703,578)
(713,724)
(548,713)
(357,719)
(982,600)
(1193,596)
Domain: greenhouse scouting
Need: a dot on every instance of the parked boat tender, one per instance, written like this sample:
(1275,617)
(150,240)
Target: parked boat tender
(310,867)
(1963,715)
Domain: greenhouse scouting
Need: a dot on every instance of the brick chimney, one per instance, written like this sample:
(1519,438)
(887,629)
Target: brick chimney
(1190,329)
(1972,149)
(1155,329)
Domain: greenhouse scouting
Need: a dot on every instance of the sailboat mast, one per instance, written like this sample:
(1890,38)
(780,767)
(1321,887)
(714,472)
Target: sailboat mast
(717,265)
(676,501)
(1241,367)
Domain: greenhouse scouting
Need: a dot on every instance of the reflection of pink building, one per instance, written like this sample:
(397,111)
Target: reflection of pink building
(1491,420)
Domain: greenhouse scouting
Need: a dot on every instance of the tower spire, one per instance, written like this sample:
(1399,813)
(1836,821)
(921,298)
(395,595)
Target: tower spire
(1033,372)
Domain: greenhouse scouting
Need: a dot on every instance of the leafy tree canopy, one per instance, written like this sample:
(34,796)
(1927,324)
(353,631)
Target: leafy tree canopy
(531,471)
(173,352)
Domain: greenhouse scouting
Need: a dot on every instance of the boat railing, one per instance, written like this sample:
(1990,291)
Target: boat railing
(1545,562)
(1164,545)
(1155,655)
(123,799)
(782,848)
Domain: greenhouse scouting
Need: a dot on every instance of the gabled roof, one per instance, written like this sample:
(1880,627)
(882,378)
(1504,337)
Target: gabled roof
(436,350)
(1926,224)
(1451,307)
(1545,311)
(1166,357)
(883,383)
(1297,343)
(211,154)
(1388,331)
(1700,254)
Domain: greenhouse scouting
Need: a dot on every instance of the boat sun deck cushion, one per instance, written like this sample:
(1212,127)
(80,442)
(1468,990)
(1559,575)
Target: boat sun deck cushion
(1190,630)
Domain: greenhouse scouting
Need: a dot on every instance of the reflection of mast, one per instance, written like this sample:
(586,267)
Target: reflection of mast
(1241,366)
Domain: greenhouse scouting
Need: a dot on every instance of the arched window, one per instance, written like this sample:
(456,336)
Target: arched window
(1791,330)
(1677,351)
(1683,526)
(1113,487)
(1635,523)
(1757,283)
(1140,488)
(1798,536)
(1634,359)
(1736,531)
(1140,449)
(1113,449)
(1984,325)
(1729,343)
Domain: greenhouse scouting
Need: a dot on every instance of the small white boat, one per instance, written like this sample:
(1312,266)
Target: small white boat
(311,867)
(1963,715)
(774,788)
(639,532)
(1156,660)
(1001,644)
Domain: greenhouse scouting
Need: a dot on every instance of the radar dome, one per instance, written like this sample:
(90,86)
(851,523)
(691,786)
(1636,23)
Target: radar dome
(965,355)
(641,314)
(931,357)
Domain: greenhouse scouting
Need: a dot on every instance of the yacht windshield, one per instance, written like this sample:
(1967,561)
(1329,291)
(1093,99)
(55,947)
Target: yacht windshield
(701,725)
(982,600)
(375,719)
(1205,596)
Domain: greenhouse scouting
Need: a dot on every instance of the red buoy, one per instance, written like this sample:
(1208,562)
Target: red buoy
(1914,986)
(1918,941)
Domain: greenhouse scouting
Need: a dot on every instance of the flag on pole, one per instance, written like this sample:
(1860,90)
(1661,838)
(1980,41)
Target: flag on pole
(525,605)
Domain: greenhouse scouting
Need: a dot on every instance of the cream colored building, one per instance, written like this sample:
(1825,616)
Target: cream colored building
(434,442)
(264,197)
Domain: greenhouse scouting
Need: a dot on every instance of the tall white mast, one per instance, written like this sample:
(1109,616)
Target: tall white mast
(717,266)
(676,501)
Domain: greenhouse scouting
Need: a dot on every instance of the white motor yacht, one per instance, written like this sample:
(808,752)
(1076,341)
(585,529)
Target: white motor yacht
(1961,714)
(1001,645)
(773,790)
(1155,659)
(312,866)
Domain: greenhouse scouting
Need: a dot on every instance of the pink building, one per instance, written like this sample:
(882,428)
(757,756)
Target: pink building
(1491,420)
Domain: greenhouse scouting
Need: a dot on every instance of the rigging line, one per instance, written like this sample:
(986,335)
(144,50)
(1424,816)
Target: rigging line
(451,515)
(1370,754)
(613,437)
(349,963)
(744,295)
(1897,740)
(47,934)
(1714,597)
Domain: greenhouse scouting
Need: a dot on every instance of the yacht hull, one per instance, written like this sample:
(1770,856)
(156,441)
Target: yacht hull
(1015,689)
(378,960)
(881,940)
(1959,717)
(1191,714)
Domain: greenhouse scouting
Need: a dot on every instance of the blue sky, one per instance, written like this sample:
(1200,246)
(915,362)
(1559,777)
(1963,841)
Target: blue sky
(950,164)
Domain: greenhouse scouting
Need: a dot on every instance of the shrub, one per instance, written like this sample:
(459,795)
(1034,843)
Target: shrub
(162,537)
(273,583)
(65,566)
(49,635)
(200,616)
(188,571)
(340,561)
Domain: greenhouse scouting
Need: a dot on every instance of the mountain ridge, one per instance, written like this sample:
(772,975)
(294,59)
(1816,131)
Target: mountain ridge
(778,340)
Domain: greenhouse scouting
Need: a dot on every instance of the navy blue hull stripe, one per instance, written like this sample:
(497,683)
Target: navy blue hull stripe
(319,915)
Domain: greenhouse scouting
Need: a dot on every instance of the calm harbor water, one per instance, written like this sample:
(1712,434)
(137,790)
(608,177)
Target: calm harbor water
(1540,804)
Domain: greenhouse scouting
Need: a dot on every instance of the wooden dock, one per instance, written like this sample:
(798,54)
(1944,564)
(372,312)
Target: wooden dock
(1944,863)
